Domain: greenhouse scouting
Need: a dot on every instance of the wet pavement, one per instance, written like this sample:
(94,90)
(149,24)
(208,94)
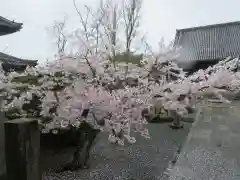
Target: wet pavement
(144,160)
(211,151)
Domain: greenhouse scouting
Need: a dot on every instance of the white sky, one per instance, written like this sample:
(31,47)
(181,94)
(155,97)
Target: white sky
(159,18)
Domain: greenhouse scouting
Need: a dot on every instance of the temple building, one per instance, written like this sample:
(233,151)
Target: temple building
(10,63)
(203,46)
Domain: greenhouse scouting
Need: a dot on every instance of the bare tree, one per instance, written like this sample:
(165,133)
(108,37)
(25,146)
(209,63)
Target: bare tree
(102,28)
(111,16)
(114,35)
(59,33)
(131,15)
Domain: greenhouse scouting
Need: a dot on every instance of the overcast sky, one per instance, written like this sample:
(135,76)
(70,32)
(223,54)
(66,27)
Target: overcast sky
(159,18)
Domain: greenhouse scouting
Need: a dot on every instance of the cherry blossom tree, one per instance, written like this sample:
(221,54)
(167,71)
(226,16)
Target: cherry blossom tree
(86,89)
(64,90)
(66,93)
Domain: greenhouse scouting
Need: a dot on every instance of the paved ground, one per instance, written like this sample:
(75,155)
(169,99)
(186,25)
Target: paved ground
(145,160)
(211,151)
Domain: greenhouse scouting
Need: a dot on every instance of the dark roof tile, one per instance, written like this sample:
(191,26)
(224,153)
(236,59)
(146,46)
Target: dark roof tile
(209,42)
(8,27)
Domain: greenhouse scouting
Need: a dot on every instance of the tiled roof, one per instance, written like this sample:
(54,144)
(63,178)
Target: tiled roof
(8,27)
(7,59)
(212,42)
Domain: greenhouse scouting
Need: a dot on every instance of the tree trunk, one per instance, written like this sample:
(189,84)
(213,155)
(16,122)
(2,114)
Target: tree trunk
(86,135)
(81,139)
(176,124)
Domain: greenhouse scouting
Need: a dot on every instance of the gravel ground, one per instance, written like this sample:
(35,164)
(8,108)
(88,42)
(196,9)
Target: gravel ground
(144,160)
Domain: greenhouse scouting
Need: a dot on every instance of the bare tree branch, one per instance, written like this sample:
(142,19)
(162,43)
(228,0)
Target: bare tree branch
(61,38)
(87,33)
(131,16)
(100,27)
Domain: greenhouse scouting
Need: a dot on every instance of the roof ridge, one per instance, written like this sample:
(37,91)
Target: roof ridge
(9,21)
(209,26)
(14,57)
(1,17)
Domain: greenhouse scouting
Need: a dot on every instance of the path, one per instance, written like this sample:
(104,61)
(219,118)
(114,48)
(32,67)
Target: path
(212,149)
(145,160)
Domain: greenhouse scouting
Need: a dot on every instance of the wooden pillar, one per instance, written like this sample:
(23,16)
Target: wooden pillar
(22,149)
